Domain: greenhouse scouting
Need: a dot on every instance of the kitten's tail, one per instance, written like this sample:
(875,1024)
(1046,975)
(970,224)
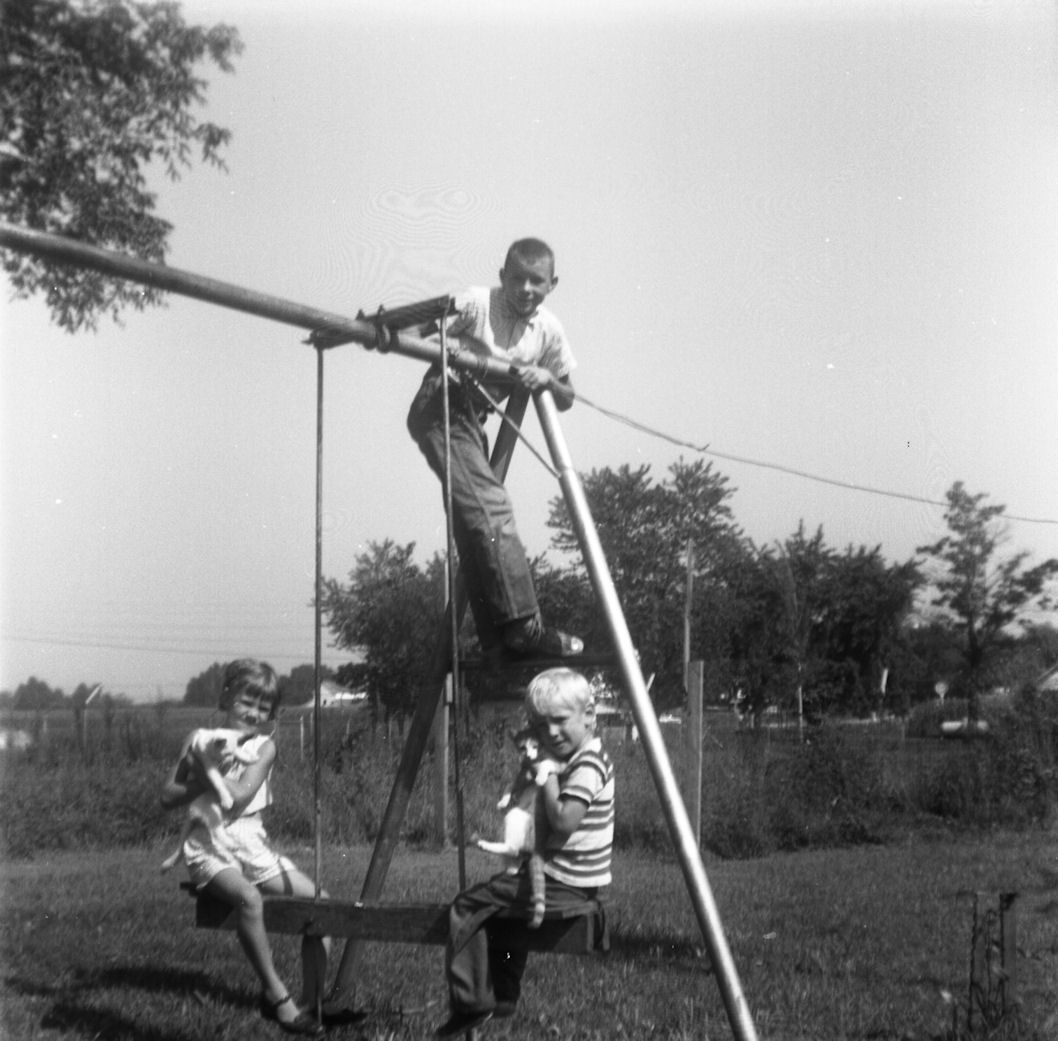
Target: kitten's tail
(538,883)
(538,914)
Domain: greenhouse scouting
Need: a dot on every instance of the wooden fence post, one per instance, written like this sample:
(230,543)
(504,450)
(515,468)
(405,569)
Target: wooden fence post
(1008,951)
(993,962)
(693,746)
(441,725)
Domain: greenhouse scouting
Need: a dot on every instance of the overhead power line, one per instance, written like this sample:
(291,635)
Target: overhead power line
(104,644)
(779,468)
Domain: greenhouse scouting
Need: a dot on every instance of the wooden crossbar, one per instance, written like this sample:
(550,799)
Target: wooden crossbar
(581,929)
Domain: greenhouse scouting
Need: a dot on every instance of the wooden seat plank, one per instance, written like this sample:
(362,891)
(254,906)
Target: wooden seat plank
(580,929)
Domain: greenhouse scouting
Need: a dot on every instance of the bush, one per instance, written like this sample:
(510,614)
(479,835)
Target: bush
(1005,777)
(925,719)
(734,808)
(74,805)
(826,793)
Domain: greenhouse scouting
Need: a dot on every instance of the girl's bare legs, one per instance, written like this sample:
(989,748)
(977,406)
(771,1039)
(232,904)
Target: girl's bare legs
(230,886)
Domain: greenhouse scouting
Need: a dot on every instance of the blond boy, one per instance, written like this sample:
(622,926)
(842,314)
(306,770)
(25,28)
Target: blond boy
(485,981)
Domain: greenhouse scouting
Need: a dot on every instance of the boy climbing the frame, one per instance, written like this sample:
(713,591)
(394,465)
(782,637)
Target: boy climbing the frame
(508,322)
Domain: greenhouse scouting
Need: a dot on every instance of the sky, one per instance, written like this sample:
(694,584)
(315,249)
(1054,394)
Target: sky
(817,239)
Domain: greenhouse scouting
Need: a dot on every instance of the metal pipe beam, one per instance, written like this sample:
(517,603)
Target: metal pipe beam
(646,719)
(333,328)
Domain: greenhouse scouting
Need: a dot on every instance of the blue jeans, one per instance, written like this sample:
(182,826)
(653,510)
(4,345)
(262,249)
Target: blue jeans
(493,561)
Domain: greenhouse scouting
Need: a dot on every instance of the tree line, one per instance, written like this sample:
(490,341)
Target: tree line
(794,624)
(202,691)
(838,631)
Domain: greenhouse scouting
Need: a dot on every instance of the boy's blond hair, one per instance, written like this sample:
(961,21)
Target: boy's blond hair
(561,685)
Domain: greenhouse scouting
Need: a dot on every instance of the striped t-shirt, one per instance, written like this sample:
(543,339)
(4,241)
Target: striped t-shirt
(584,858)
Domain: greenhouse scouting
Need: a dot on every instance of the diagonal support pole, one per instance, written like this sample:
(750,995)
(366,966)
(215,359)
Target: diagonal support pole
(698,887)
(687,851)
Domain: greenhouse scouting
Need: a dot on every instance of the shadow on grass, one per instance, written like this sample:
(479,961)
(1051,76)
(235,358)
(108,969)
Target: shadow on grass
(657,947)
(94,1022)
(87,1019)
(176,981)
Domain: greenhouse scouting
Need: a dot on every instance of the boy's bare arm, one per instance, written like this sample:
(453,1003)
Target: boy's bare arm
(536,377)
(562,386)
(563,814)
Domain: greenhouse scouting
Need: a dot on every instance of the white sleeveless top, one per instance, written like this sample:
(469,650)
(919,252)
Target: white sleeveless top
(263,796)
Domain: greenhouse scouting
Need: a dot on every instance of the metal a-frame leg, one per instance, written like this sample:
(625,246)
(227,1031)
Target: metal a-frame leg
(683,838)
(687,850)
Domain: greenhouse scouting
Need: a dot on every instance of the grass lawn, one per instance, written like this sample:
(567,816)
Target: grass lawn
(829,946)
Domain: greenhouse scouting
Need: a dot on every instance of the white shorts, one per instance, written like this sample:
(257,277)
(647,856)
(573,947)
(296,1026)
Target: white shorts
(243,846)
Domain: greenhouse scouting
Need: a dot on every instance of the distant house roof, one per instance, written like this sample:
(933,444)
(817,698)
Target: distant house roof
(333,695)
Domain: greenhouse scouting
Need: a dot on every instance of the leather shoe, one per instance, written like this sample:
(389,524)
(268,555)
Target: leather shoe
(529,637)
(460,1022)
(302,1024)
(341,1017)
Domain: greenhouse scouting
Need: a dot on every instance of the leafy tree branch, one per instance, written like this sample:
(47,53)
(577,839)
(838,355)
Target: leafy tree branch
(91,93)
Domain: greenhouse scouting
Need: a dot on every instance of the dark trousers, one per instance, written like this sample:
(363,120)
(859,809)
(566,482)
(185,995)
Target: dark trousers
(493,560)
(480,974)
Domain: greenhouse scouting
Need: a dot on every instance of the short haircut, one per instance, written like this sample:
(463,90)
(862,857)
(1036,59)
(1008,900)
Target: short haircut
(560,685)
(530,250)
(248,675)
